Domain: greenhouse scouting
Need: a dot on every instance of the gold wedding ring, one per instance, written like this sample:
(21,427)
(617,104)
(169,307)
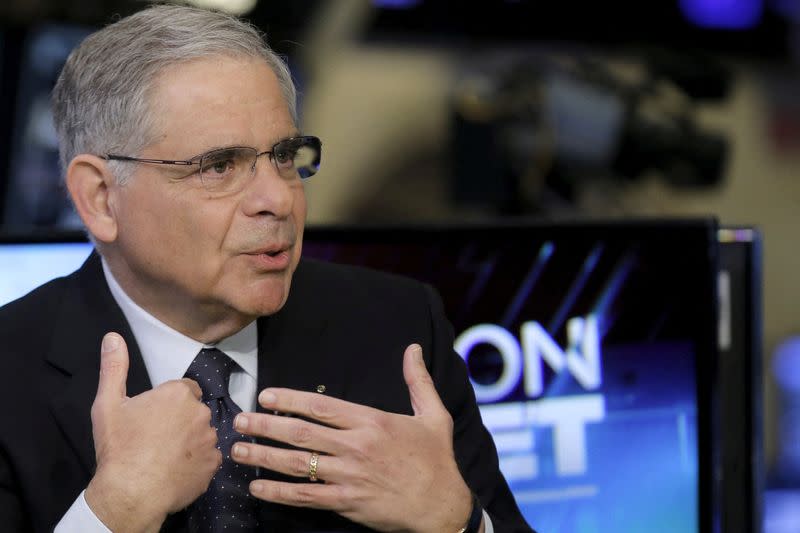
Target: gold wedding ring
(312,466)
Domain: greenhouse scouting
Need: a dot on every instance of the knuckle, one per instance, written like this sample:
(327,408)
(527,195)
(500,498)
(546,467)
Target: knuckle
(320,408)
(448,420)
(360,478)
(302,496)
(365,447)
(382,422)
(301,434)
(111,366)
(381,428)
(298,466)
(265,457)
(280,492)
(174,389)
(349,498)
(184,386)
(258,423)
(445,419)
(425,379)
(189,386)
(211,436)
(96,412)
(448,426)
(205,413)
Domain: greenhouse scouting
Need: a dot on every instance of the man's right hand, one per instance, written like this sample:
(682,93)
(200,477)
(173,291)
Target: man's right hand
(156,452)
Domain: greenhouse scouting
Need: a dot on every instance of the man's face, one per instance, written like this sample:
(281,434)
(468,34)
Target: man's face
(193,257)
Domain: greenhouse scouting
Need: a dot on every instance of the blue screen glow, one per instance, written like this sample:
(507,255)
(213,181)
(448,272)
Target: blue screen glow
(26,266)
(723,14)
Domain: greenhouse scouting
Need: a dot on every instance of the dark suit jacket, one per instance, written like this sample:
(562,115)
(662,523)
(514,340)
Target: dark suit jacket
(342,327)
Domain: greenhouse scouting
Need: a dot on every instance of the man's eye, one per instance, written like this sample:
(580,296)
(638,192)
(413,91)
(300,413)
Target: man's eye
(221,166)
(285,156)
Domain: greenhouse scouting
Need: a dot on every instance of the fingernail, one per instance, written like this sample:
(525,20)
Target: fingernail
(110,343)
(240,422)
(266,398)
(240,450)
(256,486)
(416,351)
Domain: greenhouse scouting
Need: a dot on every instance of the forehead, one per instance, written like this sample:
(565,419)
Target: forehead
(219,101)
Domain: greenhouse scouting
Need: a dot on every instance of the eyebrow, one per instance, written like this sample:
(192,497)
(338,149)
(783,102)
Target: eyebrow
(294,133)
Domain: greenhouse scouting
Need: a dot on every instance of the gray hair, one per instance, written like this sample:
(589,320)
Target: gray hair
(102,99)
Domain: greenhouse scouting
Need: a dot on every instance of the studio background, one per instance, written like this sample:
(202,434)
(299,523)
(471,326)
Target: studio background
(399,101)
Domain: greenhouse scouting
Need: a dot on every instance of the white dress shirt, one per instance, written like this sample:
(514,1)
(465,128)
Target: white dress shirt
(167,354)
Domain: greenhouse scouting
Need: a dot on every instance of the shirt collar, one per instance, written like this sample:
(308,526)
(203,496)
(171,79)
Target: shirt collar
(167,353)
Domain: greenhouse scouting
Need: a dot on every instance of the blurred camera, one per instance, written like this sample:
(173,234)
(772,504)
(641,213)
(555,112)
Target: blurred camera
(530,131)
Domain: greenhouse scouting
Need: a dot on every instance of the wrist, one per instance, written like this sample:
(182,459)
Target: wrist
(474,523)
(449,515)
(112,500)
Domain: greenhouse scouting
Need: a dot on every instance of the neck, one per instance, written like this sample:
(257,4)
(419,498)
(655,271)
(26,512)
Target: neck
(204,322)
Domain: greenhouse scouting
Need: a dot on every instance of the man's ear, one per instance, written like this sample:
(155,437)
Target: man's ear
(91,184)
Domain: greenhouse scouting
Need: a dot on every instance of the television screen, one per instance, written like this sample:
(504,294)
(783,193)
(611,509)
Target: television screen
(26,265)
(34,196)
(591,349)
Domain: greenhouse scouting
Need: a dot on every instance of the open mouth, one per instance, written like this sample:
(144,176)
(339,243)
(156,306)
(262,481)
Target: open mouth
(272,251)
(272,257)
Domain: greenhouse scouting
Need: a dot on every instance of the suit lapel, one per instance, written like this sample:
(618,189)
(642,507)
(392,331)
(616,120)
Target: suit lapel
(88,311)
(291,348)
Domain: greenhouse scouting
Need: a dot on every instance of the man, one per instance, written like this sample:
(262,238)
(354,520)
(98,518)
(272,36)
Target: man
(238,388)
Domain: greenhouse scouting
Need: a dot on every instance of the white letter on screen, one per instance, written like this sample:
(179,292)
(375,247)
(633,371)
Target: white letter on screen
(568,416)
(509,350)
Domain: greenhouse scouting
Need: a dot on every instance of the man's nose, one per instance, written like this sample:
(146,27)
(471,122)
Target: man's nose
(269,193)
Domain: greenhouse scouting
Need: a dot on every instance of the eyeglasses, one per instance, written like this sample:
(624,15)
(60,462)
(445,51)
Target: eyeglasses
(228,170)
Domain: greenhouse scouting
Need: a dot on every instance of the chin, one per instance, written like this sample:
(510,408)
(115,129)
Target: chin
(263,298)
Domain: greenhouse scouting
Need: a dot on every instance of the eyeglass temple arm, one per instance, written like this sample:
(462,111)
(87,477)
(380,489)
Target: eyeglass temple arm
(142,160)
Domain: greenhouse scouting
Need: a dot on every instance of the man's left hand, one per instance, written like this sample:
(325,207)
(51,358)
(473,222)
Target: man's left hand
(388,471)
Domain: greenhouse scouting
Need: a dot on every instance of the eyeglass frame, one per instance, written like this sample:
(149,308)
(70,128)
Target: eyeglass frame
(312,141)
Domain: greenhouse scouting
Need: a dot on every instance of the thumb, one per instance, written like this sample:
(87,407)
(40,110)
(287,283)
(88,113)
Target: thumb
(113,368)
(424,398)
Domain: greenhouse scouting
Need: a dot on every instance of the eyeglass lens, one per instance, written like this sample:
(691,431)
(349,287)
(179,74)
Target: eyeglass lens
(228,168)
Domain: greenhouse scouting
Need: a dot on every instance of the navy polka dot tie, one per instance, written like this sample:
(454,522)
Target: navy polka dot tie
(227,504)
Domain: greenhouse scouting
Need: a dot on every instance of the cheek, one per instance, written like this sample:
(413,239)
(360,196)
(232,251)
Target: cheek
(300,206)
(174,224)
(177,226)
(200,218)
(139,214)
(299,219)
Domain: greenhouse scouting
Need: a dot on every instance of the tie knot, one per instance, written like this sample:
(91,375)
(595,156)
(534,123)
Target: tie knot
(211,369)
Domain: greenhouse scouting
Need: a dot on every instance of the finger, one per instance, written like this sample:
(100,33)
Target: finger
(298,433)
(296,463)
(112,384)
(330,411)
(313,495)
(421,390)
(194,387)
